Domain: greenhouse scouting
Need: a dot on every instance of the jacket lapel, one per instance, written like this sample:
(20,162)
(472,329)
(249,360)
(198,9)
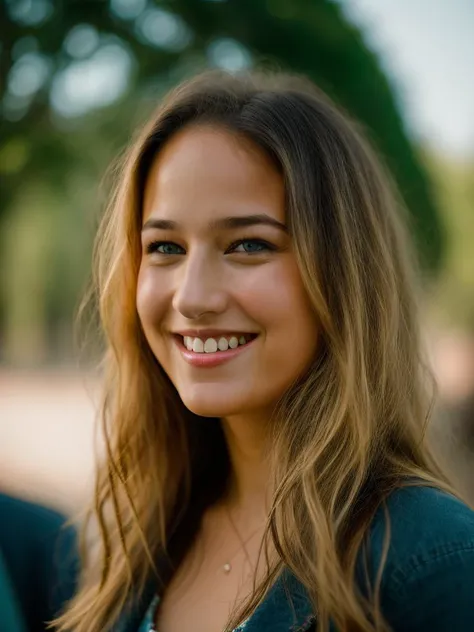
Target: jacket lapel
(287,608)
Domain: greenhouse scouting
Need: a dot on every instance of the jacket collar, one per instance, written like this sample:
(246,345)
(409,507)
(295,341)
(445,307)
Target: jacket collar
(286,608)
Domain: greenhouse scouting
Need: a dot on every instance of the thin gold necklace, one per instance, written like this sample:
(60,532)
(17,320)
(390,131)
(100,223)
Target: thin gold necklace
(227,567)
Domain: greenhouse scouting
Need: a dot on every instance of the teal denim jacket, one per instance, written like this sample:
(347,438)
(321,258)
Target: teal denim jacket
(427,583)
(38,565)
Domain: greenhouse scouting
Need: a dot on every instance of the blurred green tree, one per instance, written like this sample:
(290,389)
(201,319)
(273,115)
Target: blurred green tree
(78,75)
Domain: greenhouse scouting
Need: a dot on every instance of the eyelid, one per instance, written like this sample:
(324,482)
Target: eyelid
(269,246)
(151,247)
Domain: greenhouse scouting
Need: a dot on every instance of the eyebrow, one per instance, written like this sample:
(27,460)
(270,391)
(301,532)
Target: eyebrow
(226,223)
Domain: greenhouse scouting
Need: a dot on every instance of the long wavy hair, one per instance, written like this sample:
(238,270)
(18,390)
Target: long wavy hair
(348,432)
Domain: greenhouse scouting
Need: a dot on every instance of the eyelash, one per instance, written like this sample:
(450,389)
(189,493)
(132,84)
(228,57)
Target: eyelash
(152,248)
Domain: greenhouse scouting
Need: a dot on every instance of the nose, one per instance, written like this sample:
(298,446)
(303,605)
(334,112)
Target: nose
(200,288)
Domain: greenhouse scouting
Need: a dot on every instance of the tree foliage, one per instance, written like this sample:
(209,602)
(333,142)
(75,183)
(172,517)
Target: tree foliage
(164,42)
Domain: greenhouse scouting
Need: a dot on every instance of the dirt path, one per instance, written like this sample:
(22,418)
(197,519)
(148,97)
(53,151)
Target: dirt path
(46,436)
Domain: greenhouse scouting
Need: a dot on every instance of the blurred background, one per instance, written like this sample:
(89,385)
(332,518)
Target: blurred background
(76,79)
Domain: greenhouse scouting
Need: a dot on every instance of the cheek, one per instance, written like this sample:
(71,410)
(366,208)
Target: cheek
(279,302)
(150,299)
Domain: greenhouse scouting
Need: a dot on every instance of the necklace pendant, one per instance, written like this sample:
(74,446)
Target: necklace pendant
(227,568)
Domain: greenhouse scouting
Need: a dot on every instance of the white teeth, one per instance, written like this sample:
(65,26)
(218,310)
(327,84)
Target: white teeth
(198,345)
(210,346)
(223,345)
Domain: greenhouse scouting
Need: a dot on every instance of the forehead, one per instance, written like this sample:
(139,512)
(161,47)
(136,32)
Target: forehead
(203,172)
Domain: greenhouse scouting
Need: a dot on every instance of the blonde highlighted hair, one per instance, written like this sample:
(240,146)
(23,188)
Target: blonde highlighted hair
(350,431)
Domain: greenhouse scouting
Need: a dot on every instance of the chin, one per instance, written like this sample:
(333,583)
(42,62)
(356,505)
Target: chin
(206,408)
(211,403)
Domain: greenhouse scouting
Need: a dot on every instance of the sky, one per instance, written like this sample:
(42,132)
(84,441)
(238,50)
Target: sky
(427,49)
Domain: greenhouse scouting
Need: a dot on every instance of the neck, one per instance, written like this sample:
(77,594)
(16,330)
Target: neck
(245,438)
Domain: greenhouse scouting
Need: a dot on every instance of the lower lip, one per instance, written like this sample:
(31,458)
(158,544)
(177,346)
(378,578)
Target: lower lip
(210,360)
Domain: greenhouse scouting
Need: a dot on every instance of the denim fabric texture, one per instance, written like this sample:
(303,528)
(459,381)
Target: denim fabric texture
(38,564)
(427,583)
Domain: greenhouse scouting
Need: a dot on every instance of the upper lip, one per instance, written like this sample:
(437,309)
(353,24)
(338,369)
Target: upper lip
(210,333)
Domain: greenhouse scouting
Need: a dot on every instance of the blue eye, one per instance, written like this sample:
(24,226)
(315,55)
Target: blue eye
(164,248)
(251,246)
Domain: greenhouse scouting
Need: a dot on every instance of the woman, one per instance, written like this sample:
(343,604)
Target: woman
(265,395)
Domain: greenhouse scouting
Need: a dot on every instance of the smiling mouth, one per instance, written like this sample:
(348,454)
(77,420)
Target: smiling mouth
(211,345)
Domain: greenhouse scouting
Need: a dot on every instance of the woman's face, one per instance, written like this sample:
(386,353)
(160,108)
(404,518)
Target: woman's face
(219,293)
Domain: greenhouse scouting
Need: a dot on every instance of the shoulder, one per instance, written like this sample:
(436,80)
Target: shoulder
(422,517)
(39,551)
(428,577)
(20,514)
(12,618)
(28,529)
